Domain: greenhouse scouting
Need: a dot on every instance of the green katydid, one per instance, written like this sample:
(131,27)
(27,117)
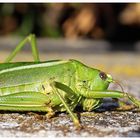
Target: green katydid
(52,86)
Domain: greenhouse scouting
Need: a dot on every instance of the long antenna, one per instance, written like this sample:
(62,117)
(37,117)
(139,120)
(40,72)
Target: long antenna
(116,82)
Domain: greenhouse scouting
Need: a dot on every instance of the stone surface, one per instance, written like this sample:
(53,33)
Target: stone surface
(106,121)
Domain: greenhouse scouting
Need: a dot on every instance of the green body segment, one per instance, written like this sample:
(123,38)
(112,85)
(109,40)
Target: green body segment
(35,77)
(17,74)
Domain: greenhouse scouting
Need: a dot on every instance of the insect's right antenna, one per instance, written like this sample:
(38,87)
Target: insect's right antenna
(116,82)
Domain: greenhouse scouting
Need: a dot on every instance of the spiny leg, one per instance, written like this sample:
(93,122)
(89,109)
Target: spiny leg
(112,94)
(73,98)
(71,95)
(32,40)
(73,116)
(69,91)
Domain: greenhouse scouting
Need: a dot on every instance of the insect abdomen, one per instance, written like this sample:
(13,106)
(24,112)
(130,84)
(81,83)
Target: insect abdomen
(21,88)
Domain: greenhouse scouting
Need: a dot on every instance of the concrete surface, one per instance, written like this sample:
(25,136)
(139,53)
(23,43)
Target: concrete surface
(104,122)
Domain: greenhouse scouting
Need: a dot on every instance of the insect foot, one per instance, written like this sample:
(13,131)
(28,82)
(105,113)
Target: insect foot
(50,113)
(126,107)
(135,101)
(77,124)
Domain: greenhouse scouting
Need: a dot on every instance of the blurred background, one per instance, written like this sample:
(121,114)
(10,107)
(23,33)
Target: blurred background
(114,22)
(102,35)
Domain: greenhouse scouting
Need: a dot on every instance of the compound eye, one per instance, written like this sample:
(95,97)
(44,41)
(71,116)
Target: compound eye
(103,76)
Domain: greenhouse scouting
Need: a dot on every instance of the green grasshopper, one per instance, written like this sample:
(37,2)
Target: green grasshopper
(53,86)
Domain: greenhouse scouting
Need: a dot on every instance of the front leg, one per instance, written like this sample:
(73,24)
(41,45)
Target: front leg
(111,94)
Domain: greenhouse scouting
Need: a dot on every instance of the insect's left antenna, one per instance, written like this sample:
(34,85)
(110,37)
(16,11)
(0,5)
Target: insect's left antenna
(32,40)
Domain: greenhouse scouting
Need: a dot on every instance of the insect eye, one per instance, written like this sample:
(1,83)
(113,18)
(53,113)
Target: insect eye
(102,75)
